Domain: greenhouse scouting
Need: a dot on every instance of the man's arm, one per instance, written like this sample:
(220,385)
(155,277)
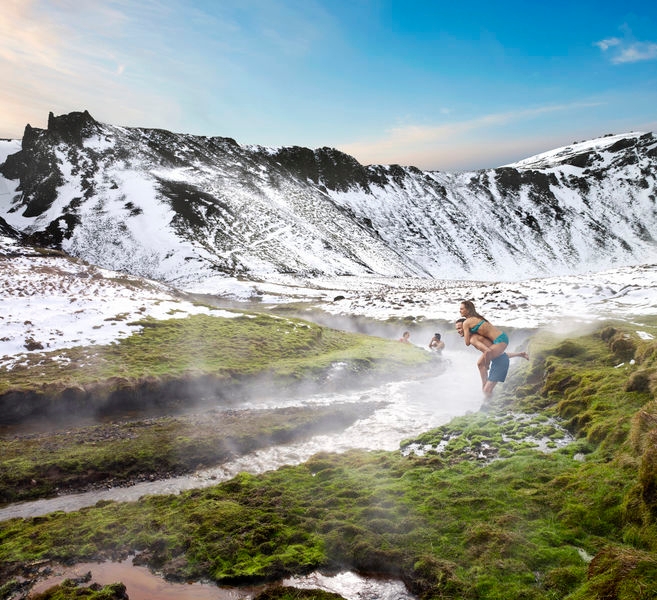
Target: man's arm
(480,342)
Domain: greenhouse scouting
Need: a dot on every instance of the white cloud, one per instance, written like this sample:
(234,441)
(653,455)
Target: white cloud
(623,51)
(608,43)
(636,52)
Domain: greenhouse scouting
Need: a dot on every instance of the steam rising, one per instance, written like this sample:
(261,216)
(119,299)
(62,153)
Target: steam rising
(407,409)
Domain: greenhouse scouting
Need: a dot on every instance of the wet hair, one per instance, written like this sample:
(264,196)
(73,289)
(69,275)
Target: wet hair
(470,309)
(436,335)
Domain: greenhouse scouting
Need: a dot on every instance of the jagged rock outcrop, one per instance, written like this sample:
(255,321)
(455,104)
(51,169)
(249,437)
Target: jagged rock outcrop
(183,208)
(7,230)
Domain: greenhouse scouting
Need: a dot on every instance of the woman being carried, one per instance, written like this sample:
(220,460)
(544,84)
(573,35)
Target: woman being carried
(476,324)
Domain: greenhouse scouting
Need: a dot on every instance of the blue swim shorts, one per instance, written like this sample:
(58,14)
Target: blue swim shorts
(503,337)
(499,367)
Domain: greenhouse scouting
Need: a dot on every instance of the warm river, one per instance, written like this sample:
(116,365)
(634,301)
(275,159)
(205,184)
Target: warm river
(412,406)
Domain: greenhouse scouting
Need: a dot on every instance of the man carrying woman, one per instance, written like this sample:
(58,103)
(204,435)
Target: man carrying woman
(493,364)
(476,324)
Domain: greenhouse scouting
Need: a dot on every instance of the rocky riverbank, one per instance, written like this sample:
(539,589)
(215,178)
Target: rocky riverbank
(121,453)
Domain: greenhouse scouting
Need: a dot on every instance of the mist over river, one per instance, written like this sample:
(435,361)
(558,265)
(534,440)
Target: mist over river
(411,407)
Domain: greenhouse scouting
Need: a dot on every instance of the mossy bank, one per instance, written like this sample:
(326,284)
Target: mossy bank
(203,358)
(483,511)
(75,459)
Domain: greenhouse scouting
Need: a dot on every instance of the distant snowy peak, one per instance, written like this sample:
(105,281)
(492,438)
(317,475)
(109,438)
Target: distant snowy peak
(588,153)
(186,209)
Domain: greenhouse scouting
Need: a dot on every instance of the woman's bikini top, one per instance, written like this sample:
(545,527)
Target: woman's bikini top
(477,326)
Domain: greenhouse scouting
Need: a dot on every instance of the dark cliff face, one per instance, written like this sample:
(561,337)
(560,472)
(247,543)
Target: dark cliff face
(8,231)
(327,167)
(72,128)
(37,169)
(95,190)
(37,166)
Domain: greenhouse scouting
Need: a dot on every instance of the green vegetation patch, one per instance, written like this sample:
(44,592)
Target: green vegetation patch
(452,526)
(70,590)
(41,465)
(246,344)
(195,357)
(490,435)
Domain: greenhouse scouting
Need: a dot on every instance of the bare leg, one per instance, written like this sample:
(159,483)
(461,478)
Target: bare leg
(488,388)
(494,351)
(480,342)
(483,371)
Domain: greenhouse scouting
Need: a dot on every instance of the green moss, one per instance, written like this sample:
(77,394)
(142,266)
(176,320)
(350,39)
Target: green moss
(36,466)
(452,523)
(622,573)
(198,359)
(69,590)
(245,345)
(291,593)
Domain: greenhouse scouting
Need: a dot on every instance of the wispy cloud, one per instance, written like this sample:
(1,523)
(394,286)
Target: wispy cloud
(604,45)
(623,51)
(61,57)
(120,58)
(637,52)
(424,143)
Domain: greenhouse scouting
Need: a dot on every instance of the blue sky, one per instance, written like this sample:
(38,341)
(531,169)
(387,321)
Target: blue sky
(433,84)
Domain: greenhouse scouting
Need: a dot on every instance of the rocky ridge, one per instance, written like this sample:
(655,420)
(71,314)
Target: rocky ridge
(184,209)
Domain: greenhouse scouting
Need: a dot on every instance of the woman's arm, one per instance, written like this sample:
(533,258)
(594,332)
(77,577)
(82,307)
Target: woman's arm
(469,322)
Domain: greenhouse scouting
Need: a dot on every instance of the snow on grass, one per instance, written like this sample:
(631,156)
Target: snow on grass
(529,303)
(52,302)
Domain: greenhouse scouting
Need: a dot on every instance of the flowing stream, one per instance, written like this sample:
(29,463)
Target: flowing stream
(411,407)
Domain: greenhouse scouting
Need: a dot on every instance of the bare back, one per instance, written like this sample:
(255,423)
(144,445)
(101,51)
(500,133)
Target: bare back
(485,330)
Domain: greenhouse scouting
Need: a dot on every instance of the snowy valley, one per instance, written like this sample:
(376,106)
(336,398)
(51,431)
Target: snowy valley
(564,234)
(194,212)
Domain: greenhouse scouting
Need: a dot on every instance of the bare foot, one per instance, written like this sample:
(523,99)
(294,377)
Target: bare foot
(524,355)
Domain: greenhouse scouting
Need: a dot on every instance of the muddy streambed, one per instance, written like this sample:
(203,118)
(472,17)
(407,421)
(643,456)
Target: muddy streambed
(142,584)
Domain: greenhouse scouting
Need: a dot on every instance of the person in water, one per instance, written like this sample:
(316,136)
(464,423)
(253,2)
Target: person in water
(406,337)
(499,367)
(475,323)
(436,344)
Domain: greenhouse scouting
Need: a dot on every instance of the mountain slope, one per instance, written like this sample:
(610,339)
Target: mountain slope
(184,208)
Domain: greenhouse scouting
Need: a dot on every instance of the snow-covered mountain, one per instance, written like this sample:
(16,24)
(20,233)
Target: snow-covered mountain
(183,209)
(50,301)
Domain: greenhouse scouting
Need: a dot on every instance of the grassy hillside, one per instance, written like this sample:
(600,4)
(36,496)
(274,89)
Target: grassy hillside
(485,512)
(197,357)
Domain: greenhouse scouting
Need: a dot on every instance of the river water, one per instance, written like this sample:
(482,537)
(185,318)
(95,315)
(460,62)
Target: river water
(410,408)
(142,584)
